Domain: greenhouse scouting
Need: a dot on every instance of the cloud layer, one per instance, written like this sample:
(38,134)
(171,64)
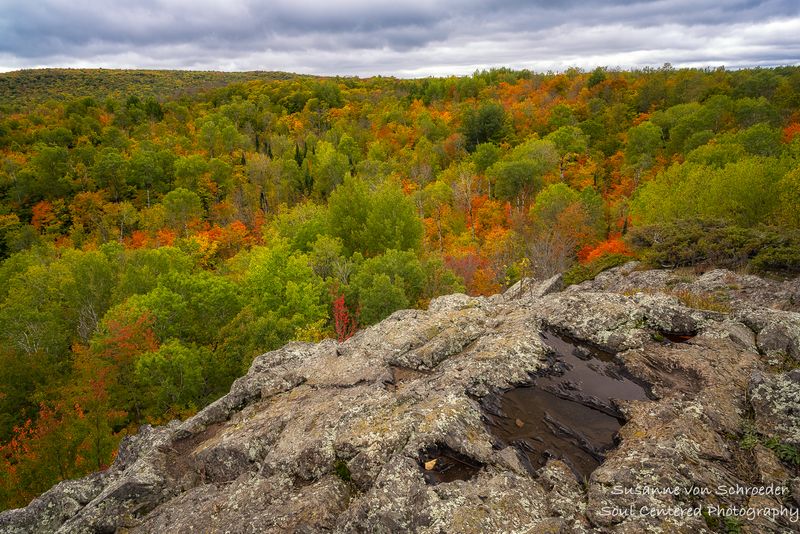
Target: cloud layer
(414,38)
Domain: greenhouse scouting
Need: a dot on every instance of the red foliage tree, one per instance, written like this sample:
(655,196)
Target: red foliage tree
(791,132)
(42,215)
(614,245)
(345,323)
(40,452)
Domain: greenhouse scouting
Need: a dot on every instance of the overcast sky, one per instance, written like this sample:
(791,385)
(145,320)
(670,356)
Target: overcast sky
(391,37)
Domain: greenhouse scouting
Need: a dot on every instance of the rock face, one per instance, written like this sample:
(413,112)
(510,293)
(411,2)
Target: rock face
(388,431)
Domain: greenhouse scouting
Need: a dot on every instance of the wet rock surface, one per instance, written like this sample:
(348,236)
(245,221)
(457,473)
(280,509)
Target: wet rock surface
(569,413)
(603,392)
(442,464)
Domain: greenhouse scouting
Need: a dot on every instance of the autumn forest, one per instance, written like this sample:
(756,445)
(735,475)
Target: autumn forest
(159,229)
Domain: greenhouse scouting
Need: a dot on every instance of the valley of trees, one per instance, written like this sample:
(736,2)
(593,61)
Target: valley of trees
(160,230)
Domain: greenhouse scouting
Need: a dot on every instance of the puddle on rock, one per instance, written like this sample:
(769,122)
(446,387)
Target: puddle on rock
(678,338)
(568,414)
(440,463)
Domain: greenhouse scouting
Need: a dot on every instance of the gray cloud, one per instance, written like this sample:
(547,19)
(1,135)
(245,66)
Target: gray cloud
(389,37)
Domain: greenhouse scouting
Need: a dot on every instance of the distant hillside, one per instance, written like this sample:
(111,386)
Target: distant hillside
(37,85)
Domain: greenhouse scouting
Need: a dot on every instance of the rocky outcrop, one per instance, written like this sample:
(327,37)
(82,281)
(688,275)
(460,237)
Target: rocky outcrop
(390,431)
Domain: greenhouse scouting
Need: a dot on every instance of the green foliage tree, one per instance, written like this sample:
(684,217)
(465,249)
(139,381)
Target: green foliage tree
(210,301)
(744,192)
(329,169)
(167,309)
(760,140)
(516,179)
(141,270)
(348,209)
(486,155)
(189,171)
(282,296)
(173,378)
(644,140)
(379,297)
(327,260)
(110,172)
(391,223)
(219,135)
(488,123)
(598,76)
(552,201)
(789,207)
(302,224)
(181,208)
(145,171)
(570,141)
(387,283)
(48,167)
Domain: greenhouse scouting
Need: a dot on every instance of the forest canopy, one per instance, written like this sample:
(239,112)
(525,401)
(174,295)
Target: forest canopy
(158,230)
